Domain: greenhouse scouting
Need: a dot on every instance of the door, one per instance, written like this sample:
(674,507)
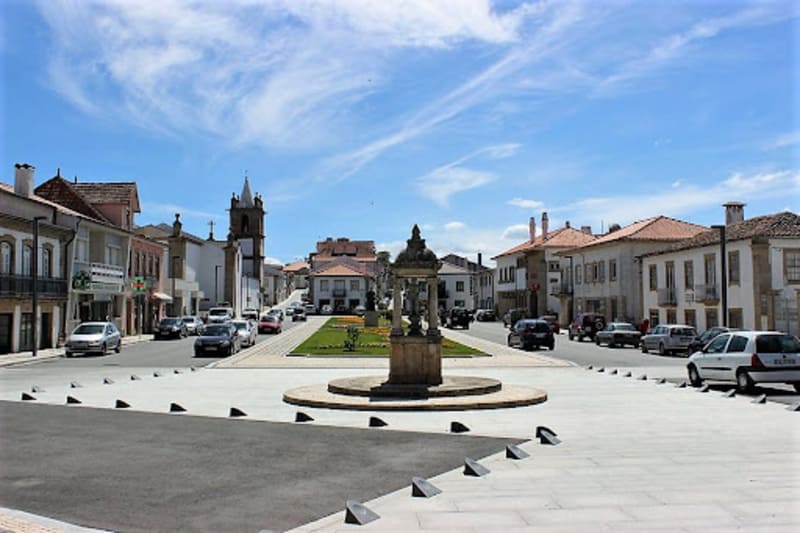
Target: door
(26,333)
(710,364)
(45,331)
(6,327)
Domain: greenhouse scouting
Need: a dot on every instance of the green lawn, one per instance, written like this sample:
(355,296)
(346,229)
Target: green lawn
(372,342)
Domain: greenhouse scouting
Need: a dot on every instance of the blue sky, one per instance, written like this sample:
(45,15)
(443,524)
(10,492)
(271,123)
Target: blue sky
(360,118)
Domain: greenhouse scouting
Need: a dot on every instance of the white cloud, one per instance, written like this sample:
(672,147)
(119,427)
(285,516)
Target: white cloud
(676,184)
(272,261)
(517,232)
(446,181)
(783,141)
(453,226)
(526,204)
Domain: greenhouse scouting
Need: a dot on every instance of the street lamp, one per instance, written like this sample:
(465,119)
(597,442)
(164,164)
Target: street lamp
(216,280)
(724,269)
(35,276)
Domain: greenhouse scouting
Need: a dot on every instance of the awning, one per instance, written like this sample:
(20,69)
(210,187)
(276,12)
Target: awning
(161,296)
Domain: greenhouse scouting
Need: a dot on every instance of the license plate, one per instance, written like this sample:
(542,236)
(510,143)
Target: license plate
(211,348)
(788,362)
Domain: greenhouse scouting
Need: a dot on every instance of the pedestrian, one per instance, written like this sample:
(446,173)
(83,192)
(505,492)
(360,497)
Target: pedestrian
(644,326)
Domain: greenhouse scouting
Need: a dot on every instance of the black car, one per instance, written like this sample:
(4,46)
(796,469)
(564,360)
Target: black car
(218,339)
(618,334)
(700,341)
(531,333)
(457,317)
(171,328)
(485,315)
(586,325)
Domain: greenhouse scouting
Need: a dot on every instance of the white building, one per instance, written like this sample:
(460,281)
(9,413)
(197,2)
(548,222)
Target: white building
(341,283)
(685,282)
(274,285)
(456,287)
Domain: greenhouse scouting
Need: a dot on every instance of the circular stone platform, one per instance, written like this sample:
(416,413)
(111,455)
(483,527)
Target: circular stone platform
(379,386)
(502,396)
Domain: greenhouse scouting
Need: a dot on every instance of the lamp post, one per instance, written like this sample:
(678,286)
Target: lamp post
(216,283)
(35,280)
(724,269)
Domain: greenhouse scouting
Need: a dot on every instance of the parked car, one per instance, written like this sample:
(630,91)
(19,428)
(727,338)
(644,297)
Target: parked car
(250,314)
(530,333)
(618,334)
(290,311)
(310,309)
(298,315)
(555,325)
(747,358)
(485,315)
(218,315)
(360,310)
(269,324)
(513,315)
(93,337)
(586,325)
(276,312)
(171,327)
(669,339)
(193,324)
(326,310)
(217,339)
(698,343)
(457,317)
(246,332)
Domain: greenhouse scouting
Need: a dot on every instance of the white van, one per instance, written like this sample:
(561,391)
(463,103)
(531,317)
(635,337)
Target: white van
(218,315)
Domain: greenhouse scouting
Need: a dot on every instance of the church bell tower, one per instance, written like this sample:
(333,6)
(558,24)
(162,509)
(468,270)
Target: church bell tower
(247,226)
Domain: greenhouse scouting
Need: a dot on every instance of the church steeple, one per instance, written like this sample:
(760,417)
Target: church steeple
(246,199)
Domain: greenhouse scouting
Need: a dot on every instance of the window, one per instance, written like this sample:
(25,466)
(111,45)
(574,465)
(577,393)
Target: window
(587,273)
(737,344)
(735,318)
(601,270)
(323,285)
(688,275)
(577,275)
(672,316)
(6,258)
(612,270)
(113,255)
(27,257)
(791,265)
(712,318)
(653,318)
(653,275)
(718,344)
(460,287)
(46,262)
(733,268)
(710,263)
(82,250)
(690,317)
(354,285)
(157,270)
(459,303)
(553,266)
(511,274)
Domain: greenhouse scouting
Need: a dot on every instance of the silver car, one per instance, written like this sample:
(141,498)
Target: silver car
(93,337)
(194,325)
(246,332)
(669,339)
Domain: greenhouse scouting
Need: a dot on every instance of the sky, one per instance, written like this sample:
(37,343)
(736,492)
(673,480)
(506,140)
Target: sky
(360,118)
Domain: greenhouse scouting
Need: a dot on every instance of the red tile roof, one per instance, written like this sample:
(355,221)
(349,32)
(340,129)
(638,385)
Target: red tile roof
(60,191)
(341,270)
(561,238)
(123,192)
(658,228)
(296,266)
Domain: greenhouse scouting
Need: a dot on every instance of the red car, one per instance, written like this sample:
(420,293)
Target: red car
(269,324)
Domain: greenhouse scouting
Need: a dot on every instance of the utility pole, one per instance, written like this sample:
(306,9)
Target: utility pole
(35,280)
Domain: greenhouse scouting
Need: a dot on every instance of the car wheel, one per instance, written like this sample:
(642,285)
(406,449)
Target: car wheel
(508,340)
(635,345)
(67,354)
(743,381)
(580,338)
(552,346)
(119,346)
(104,349)
(644,348)
(694,376)
(661,349)
(597,340)
(612,344)
(796,386)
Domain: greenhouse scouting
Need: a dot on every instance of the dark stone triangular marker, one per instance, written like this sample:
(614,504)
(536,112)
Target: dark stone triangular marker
(75,385)
(156,374)
(176,408)
(795,407)
(303,417)
(704,388)
(547,436)
(375,422)
(176,371)
(134,377)
(108,381)
(120,404)
(601,369)
(422,488)
(37,388)
(661,381)
(458,427)
(614,372)
(760,399)
(236,412)
(515,452)
(193,369)
(27,397)
(72,400)
(590,367)
(627,374)
(681,385)
(643,377)
(730,394)
(357,513)
(474,468)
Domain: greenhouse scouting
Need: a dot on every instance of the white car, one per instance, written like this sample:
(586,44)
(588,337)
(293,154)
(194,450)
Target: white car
(193,325)
(245,331)
(747,358)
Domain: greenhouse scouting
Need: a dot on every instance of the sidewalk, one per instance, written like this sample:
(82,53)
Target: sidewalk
(21,358)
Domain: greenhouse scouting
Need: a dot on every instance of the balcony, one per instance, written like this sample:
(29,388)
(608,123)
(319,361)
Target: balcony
(706,293)
(22,286)
(666,297)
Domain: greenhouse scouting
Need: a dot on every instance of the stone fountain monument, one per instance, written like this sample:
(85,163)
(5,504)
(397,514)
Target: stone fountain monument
(415,380)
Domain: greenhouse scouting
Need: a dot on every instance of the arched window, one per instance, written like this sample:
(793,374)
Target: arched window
(245,224)
(157,271)
(6,258)
(46,262)
(27,258)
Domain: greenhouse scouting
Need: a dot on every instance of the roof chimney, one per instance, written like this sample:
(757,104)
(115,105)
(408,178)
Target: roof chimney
(734,212)
(480,259)
(545,225)
(532,229)
(23,179)
(566,224)
(586,229)
(177,226)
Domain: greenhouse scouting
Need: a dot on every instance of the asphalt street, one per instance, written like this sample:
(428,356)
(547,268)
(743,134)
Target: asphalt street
(133,471)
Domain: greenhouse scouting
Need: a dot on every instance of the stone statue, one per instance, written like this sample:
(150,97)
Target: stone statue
(370,301)
(412,293)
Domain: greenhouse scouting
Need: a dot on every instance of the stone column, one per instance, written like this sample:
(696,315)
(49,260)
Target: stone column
(433,307)
(397,312)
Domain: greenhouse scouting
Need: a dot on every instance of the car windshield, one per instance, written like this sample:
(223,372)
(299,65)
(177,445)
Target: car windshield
(169,321)
(681,332)
(218,312)
(624,327)
(89,329)
(216,331)
(268,318)
(777,344)
(189,319)
(241,325)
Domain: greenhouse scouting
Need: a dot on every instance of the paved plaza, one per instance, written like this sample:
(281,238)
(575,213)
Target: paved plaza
(635,454)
